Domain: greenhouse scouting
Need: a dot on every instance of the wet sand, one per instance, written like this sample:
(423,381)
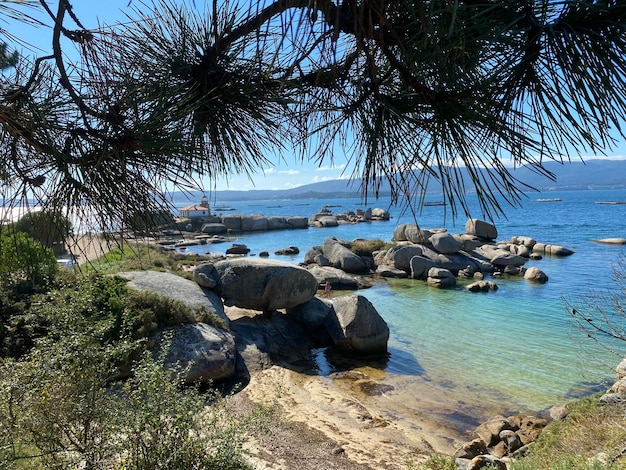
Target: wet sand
(376,424)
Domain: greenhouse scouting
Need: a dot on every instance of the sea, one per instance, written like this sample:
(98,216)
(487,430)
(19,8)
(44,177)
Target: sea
(519,346)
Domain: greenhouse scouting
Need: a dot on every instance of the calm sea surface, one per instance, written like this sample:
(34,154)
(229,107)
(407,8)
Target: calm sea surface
(517,345)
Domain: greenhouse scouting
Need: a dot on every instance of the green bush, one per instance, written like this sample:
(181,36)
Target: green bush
(106,308)
(25,264)
(50,228)
(367,247)
(58,411)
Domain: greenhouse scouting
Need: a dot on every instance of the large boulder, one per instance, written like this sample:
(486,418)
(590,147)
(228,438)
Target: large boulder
(323,219)
(232,222)
(535,274)
(399,256)
(481,229)
(297,222)
(337,278)
(213,229)
(356,327)
(499,257)
(411,233)
(312,314)
(528,242)
(276,222)
(262,284)
(254,223)
(468,242)
(341,257)
(177,288)
(445,243)
(552,250)
(380,214)
(612,241)
(456,262)
(290,250)
(238,249)
(205,352)
(440,278)
(420,265)
(389,271)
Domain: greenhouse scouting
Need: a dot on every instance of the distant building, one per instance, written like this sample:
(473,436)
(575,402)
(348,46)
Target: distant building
(196,210)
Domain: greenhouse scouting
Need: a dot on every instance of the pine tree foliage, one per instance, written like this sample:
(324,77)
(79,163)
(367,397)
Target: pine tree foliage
(411,91)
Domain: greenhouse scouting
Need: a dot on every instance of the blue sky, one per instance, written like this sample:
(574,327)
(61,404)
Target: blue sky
(286,174)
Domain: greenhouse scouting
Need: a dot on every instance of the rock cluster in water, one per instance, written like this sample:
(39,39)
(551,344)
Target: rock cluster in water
(437,257)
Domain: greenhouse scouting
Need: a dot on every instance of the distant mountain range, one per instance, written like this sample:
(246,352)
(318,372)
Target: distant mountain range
(592,174)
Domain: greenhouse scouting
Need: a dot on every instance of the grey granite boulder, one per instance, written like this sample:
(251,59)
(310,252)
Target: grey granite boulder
(499,256)
(411,233)
(254,223)
(420,265)
(400,256)
(536,275)
(356,327)
(297,222)
(341,257)
(445,243)
(290,250)
(213,229)
(528,242)
(337,278)
(323,219)
(262,284)
(390,271)
(232,222)
(177,288)
(238,249)
(612,241)
(440,278)
(209,352)
(380,214)
(481,229)
(552,250)
(313,313)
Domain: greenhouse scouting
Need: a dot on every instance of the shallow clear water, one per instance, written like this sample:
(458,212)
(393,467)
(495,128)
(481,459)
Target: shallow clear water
(516,345)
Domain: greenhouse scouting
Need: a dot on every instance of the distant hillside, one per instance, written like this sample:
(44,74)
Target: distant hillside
(593,174)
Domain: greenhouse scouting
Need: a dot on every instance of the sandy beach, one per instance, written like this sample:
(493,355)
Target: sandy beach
(362,421)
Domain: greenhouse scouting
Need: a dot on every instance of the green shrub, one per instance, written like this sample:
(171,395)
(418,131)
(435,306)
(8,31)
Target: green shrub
(25,264)
(58,411)
(50,228)
(367,247)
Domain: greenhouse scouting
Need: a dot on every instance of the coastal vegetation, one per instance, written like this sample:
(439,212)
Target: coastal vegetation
(65,348)
(592,437)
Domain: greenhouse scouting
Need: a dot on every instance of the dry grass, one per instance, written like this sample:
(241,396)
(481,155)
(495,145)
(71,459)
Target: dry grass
(592,436)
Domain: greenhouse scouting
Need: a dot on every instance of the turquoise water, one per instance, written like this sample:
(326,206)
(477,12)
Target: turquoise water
(517,345)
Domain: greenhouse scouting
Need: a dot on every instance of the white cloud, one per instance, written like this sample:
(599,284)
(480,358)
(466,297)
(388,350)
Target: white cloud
(331,167)
(319,179)
(288,172)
